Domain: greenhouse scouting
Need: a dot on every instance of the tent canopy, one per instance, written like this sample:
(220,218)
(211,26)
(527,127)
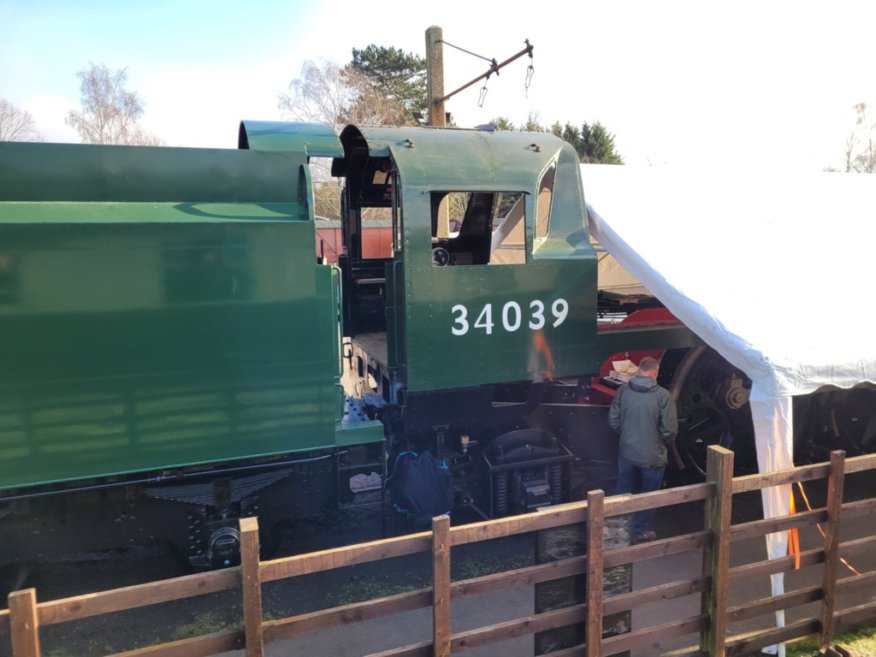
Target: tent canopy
(769,270)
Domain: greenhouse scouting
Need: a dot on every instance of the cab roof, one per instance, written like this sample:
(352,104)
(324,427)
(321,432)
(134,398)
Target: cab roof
(452,158)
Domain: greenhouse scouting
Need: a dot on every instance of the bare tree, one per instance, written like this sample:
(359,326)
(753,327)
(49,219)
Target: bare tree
(327,197)
(16,124)
(859,154)
(110,113)
(327,93)
(320,94)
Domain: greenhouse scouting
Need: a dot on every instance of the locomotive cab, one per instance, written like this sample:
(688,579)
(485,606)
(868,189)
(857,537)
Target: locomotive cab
(483,298)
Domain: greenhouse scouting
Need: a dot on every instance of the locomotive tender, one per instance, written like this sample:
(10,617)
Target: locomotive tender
(174,355)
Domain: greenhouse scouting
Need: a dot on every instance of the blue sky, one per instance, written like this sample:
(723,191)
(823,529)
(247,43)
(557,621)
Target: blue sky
(678,81)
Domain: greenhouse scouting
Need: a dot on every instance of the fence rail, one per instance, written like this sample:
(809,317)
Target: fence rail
(25,617)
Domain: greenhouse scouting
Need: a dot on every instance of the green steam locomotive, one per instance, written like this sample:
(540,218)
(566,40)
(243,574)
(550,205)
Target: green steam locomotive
(175,354)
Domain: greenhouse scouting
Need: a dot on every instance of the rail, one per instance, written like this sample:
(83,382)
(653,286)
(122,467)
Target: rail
(25,617)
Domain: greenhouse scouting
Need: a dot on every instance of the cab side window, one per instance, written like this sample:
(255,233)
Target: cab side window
(543,205)
(478,228)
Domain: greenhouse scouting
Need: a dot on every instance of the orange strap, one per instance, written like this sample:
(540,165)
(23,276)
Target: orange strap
(820,530)
(794,536)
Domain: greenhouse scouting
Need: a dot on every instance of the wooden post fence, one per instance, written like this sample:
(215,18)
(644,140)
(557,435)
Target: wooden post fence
(835,485)
(595,538)
(25,617)
(24,623)
(716,555)
(441,586)
(252,587)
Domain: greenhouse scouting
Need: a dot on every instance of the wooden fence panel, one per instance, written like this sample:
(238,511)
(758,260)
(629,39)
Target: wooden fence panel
(532,624)
(861,463)
(615,604)
(621,505)
(752,609)
(660,548)
(138,595)
(771,525)
(751,643)
(648,636)
(564,514)
(349,555)
(206,645)
(865,613)
(25,617)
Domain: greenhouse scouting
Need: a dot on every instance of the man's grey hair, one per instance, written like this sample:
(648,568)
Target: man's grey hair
(648,365)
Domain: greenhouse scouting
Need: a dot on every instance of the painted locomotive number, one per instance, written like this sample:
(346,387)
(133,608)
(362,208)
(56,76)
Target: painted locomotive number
(560,310)
(512,317)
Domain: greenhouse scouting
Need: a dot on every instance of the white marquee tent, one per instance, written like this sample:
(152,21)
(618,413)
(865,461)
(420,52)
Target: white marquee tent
(770,270)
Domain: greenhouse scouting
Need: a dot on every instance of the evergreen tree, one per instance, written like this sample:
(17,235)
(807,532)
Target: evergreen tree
(394,74)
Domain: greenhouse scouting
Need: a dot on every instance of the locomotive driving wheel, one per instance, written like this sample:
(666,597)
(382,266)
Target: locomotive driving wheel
(712,399)
(834,419)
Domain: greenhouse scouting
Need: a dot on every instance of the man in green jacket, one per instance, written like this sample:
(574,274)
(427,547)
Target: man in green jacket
(644,415)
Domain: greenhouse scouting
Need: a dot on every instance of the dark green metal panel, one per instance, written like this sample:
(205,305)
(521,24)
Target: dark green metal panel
(89,212)
(189,327)
(75,172)
(314,139)
(359,433)
(560,273)
(506,347)
(129,350)
(465,159)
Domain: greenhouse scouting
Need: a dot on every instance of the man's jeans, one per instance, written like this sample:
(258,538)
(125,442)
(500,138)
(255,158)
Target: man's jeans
(633,478)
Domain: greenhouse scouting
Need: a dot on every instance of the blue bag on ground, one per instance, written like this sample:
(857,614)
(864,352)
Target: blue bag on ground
(421,486)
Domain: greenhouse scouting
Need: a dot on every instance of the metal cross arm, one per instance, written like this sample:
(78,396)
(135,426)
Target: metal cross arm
(494,68)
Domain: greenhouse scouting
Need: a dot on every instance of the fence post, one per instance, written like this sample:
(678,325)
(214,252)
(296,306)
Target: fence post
(441,586)
(24,623)
(835,485)
(252,587)
(595,538)
(716,556)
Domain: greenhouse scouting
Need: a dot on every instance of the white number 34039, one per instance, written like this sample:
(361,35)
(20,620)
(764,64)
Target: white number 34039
(510,317)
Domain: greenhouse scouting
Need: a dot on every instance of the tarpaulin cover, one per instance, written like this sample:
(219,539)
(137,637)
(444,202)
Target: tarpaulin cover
(770,270)
(773,272)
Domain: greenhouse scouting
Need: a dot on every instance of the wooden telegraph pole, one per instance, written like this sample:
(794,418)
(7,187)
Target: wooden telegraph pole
(435,73)
(435,95)
(435,76)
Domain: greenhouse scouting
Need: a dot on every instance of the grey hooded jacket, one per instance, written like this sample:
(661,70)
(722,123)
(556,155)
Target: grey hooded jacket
(644,415)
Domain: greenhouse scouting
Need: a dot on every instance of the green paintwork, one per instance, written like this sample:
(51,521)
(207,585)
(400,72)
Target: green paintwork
(83,173)
(348,434)
(161,308)
(314,139)
(563,265)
